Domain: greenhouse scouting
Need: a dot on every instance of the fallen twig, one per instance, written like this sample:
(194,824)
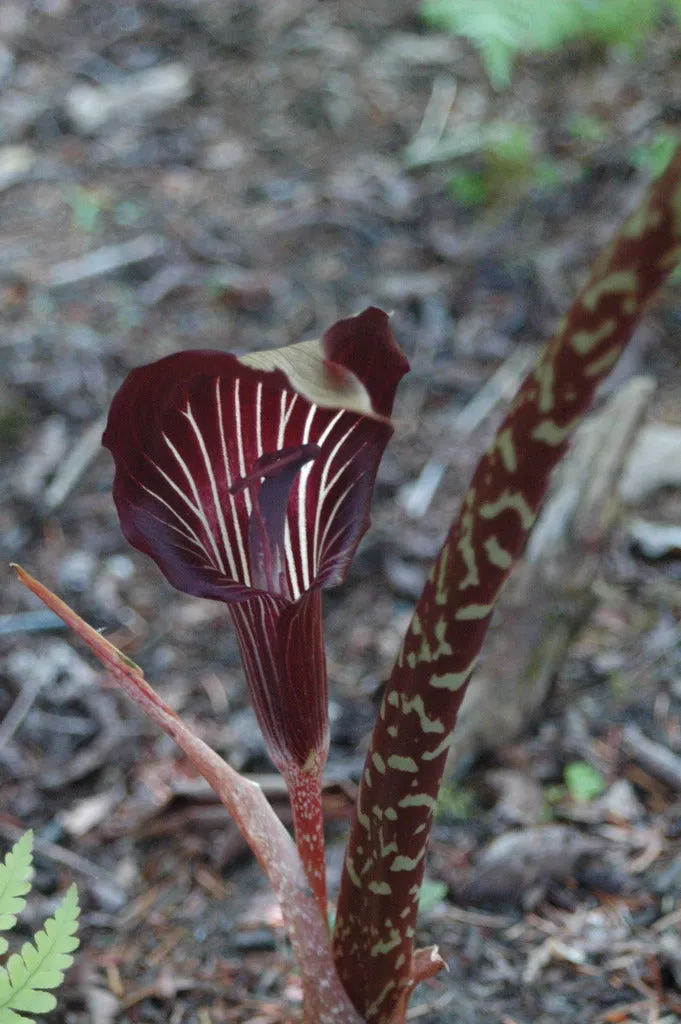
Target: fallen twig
(105,260)
(656,759)
(76,462)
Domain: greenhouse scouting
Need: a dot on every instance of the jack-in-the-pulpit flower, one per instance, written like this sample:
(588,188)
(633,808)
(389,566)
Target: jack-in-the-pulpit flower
(248,480)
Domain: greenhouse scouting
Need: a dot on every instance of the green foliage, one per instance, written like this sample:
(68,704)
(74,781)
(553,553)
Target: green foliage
(549,174)
(553,795)
(15,882)
(653,156)
(583,782)
(453,802)
(128,213)
(507,166)
(41,963)
(512,144)
(86,207)
(508,162)
(467,188)
(501,30)
(432,894)
(586,128)
(13,420)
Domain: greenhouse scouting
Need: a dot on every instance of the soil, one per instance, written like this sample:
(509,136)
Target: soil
(248,198)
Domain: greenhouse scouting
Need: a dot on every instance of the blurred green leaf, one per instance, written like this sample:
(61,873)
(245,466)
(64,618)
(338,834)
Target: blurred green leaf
(128,213)
(467,188)
(587,128)
(86,207)
(583,782)
(14,419)
(549,174)
(654,156)
(554,794)
(432,893)
(511,143)
(502,29)
(453,802)
(626,22)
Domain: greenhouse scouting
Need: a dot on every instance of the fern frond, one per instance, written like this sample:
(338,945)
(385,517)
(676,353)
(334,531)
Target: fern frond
(15,882)
(500,30)
(546,26)
(619,21)
(491,28)
(40,965)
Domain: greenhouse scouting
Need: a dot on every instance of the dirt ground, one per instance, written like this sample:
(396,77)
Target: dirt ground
(198,173)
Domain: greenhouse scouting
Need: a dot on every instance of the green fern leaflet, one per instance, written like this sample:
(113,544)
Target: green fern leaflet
(27,977)
(15,882)
(501,29)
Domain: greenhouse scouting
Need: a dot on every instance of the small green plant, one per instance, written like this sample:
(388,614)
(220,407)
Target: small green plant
(468,188)
(654,156)
(583,782)
(86,206)
(455,803)
(433,892)
(508,167)
(27,975)
(500,30)
(503,162)
(585,128)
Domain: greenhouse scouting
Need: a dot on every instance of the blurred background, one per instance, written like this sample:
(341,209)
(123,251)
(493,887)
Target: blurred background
(237,175)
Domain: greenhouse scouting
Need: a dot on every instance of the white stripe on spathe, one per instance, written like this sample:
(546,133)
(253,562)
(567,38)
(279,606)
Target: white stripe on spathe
(196,509)
(213,489)
(329,522)
(258,419)
(239,438)
(324,489)
(302,519)
(191,534)
(246,572)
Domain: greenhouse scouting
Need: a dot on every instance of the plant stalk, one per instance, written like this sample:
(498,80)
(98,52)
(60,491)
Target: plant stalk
(305,793)
(376,919)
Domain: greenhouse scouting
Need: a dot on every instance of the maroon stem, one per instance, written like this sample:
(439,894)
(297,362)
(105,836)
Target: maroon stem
(324,999)
(408,753)
(305,793)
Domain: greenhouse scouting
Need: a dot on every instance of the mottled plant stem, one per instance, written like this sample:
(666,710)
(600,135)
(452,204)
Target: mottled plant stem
(404,766)
(305,794)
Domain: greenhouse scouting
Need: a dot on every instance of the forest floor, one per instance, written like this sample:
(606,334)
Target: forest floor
(237,175)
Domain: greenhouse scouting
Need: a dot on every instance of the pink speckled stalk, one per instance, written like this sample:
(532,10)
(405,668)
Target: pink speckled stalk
(305,791)
(324,1000)
(384,865)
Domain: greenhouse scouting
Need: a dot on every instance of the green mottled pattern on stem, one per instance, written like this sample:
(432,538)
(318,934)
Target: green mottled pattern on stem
(403,770)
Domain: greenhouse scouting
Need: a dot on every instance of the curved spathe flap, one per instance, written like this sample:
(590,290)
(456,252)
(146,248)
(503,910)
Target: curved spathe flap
(186,430)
